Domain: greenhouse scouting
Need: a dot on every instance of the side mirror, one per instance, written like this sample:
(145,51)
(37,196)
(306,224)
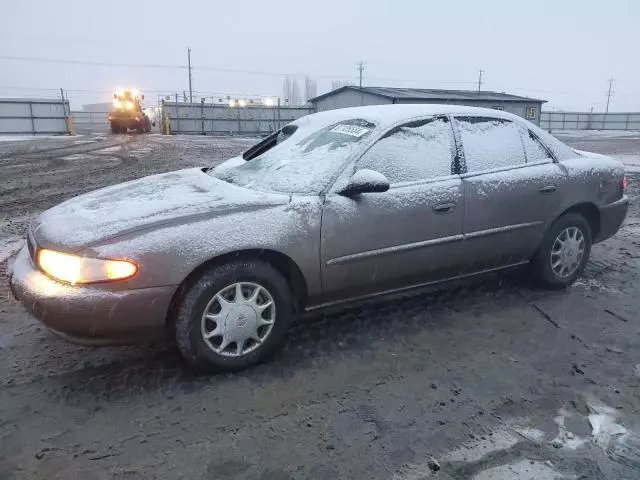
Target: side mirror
(365,181)
(142,97)
(115,96)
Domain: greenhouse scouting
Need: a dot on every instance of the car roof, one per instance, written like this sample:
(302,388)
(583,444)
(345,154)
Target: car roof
(388,115)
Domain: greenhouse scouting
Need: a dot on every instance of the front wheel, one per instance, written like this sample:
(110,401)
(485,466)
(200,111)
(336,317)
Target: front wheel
(564,252)
(233,316)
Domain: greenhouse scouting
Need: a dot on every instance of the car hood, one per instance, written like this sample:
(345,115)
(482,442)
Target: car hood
(180,196)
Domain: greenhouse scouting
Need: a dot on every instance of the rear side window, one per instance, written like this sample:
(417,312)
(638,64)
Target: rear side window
(415,151)
(533,149)
(490,143)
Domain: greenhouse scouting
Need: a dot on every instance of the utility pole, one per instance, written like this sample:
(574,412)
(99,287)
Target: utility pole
(64,110)
(360,70)
(480,79)
(608,96)
(189,65)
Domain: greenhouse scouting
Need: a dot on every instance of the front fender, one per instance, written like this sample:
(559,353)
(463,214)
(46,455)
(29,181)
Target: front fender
(168,254)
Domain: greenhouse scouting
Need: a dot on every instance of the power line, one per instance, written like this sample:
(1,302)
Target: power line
(209,68)
(86,62)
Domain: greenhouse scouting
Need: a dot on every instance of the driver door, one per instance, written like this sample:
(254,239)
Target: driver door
(406,236)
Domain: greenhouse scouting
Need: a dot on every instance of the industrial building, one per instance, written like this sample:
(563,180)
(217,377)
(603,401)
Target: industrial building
(351,96)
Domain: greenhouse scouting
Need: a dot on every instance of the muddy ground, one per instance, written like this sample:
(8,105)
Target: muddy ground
(489,380)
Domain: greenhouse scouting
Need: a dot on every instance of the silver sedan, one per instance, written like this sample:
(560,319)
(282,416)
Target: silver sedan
(335,207)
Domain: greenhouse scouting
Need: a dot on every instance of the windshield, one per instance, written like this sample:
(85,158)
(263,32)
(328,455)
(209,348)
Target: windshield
(304,163)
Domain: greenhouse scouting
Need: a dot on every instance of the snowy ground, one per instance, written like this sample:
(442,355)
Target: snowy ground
(490,380)
(597,134)
(26,138)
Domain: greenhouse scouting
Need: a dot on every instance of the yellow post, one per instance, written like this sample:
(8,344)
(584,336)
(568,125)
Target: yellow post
(167,125)
(71,127)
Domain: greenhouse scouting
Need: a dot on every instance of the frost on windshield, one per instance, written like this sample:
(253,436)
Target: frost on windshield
(305,166)
(490,143)
(415,151)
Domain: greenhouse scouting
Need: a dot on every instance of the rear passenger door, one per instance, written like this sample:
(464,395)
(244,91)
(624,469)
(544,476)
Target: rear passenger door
(512,186)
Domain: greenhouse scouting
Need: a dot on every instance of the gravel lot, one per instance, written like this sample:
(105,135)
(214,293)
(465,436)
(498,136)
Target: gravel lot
(490,380)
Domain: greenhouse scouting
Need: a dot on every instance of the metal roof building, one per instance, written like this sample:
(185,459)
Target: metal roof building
(351,96)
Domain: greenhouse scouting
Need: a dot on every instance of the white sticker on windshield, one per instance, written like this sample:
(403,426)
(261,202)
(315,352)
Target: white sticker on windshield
(352,130)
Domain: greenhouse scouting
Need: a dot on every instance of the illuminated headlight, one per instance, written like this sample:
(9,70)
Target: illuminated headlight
(75,269)
(129,105)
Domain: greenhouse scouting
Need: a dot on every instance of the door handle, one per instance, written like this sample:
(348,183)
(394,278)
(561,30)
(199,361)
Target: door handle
(444,207)
(548,189)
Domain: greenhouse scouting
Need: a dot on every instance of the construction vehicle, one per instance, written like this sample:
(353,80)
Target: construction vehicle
(128,112)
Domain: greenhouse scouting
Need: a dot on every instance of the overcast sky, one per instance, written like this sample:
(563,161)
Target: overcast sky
(562,51)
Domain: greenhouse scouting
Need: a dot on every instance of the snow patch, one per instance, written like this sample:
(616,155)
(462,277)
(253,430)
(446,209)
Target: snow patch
(565,438)
(23,138)
(593,284)
(500,440)
(10,246)
(521,470)
(603,423)
(113,149)
(531,434)
(75,156)
(140,151)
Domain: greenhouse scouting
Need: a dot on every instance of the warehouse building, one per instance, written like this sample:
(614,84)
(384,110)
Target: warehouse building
(351,96)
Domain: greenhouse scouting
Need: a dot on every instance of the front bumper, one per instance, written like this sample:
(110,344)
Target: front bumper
(611,218)
(90,314)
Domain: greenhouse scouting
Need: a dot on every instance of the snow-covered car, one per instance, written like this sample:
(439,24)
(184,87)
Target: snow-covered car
(335,207)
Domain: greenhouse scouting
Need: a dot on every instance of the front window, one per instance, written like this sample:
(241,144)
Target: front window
(412,152)
(305,163)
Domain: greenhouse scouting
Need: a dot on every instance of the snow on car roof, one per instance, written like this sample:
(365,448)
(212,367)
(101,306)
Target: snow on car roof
(388,115)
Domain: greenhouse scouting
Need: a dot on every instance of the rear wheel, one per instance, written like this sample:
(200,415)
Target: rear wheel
(233,316)
(115,128)
(564,252)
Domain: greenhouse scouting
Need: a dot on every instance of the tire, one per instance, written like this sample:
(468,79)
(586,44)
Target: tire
(201,296)
(115,128)
(123,129)
(541,264)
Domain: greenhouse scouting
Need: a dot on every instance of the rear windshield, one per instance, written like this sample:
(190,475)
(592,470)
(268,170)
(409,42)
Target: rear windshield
(303,161)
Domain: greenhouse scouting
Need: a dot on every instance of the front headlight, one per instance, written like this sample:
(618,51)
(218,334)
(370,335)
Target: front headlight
(75,269)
